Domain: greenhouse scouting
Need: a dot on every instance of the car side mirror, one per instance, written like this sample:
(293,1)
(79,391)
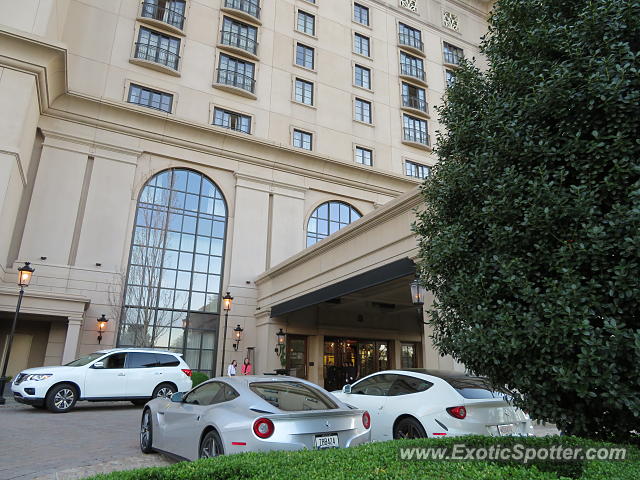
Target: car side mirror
(177,397)
(98,365)
(346,388)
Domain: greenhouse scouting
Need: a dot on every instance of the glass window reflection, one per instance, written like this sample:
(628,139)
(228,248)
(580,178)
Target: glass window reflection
(328,218)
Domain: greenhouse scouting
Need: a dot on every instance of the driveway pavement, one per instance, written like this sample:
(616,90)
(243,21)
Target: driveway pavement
(93,438)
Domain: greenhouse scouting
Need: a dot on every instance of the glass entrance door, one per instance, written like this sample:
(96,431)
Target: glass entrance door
(297,356)
(345,360)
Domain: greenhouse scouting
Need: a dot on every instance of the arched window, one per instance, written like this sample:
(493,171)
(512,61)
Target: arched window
(329,218)
(172,291)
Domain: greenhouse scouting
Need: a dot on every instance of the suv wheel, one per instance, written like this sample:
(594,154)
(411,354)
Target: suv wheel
(62,398)
(164,390)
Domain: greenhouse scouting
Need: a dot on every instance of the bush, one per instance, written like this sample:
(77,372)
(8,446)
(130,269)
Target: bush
(530,236)
(381,460)
(198,377)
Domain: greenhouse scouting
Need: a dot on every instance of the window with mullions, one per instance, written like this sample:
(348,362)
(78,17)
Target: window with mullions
(302,139)
(150,98)
(304,56)
(452,55)
(409,36)
(172,290)
(362,110)
(306,23)
(361,14)
(416,170)
(232,120)
(364,156)
(362,76)
(240,35)
(304,92)
(450,77)
(158,48)
(167,11)
(361,45)
(237,73)
(328,218)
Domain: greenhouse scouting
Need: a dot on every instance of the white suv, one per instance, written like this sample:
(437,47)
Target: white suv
(135,374)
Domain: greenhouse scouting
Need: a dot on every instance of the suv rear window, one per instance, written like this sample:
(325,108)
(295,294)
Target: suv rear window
(292,396)
(165,360)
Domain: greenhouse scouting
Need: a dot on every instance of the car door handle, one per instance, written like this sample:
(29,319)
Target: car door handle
(158,373)
(121,374)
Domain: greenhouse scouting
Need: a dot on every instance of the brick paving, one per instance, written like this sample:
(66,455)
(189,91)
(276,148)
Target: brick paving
(93,438)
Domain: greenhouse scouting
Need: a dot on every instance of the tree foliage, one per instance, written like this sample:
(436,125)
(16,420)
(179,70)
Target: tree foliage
(530,236)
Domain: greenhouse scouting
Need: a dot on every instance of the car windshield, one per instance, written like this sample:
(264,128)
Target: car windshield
(468,386)
(292,396)
(84,360)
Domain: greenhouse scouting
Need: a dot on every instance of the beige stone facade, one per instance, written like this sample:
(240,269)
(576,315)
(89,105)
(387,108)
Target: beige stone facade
(282,108)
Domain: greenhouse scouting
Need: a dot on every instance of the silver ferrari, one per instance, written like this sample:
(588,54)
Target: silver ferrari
(250,414)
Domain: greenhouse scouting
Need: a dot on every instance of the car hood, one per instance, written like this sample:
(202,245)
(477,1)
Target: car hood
(53,370)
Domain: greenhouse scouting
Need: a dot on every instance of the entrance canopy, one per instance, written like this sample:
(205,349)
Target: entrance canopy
(377,276)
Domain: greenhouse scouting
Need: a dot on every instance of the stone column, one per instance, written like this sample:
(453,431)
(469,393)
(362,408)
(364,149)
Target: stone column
(70,351)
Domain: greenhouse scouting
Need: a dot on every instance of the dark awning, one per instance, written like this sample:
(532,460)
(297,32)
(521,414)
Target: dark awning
(377,276)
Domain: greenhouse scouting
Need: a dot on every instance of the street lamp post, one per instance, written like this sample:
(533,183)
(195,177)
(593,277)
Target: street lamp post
(24,277)
(418,293)
(227,300)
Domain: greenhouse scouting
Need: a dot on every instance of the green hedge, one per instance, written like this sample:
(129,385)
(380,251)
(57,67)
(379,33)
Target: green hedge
(381,460)
(198,377)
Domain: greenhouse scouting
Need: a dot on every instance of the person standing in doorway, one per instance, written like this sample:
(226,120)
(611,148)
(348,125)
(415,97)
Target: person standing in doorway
(246,367)
(231,369)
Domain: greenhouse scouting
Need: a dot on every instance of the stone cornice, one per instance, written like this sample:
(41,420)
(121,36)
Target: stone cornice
(47,61)
(401,204)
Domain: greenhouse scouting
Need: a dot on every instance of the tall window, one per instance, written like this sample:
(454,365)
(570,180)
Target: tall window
(452,55)
(237,73)
(362,76)
(150,98)
(168,11)
(240,35)
(415,129)
(412,66)
(304,92)
(414,97)
(172,292)
(363,110)
(409,36)
(450,77)
(364,156)
(328,218)
(304,56)
(302,139)
(232,120)
(361,45)
(306,23)
(158,48)
(252,7)
(361,14)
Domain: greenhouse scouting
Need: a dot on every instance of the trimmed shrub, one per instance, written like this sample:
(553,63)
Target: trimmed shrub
(198,377)
(382,460)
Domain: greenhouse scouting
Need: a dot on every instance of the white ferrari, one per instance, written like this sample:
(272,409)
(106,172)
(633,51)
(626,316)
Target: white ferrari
(419,403)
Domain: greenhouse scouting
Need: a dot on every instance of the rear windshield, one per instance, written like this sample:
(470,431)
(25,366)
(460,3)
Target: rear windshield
(292,396)
(470,387)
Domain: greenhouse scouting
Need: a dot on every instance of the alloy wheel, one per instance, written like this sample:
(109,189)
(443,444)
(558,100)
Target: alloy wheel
(145,429)
(165,392)
(63,398)
(209,447)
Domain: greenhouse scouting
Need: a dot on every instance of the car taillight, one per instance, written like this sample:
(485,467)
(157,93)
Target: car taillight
(263,428)
(366,420)
(187,371)
(457,412)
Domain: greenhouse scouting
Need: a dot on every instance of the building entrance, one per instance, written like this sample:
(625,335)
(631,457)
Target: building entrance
(346,360)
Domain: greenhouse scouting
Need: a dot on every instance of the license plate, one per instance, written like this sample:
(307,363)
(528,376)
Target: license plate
(506,429)
(326,441)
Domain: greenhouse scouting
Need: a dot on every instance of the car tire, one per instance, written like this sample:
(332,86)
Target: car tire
(140,402)
(408,427)
(164,390)
(211,445)
(61,398)
(146,432)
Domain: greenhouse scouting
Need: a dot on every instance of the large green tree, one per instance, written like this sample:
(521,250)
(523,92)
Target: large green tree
(530,236)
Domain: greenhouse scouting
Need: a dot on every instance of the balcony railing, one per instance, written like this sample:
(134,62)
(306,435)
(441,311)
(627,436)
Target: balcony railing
(154,53)
(234,39)
(410,41)
(252,7)
(412,71)
(417,103)
(236,79)
(415,135)
(166,15)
